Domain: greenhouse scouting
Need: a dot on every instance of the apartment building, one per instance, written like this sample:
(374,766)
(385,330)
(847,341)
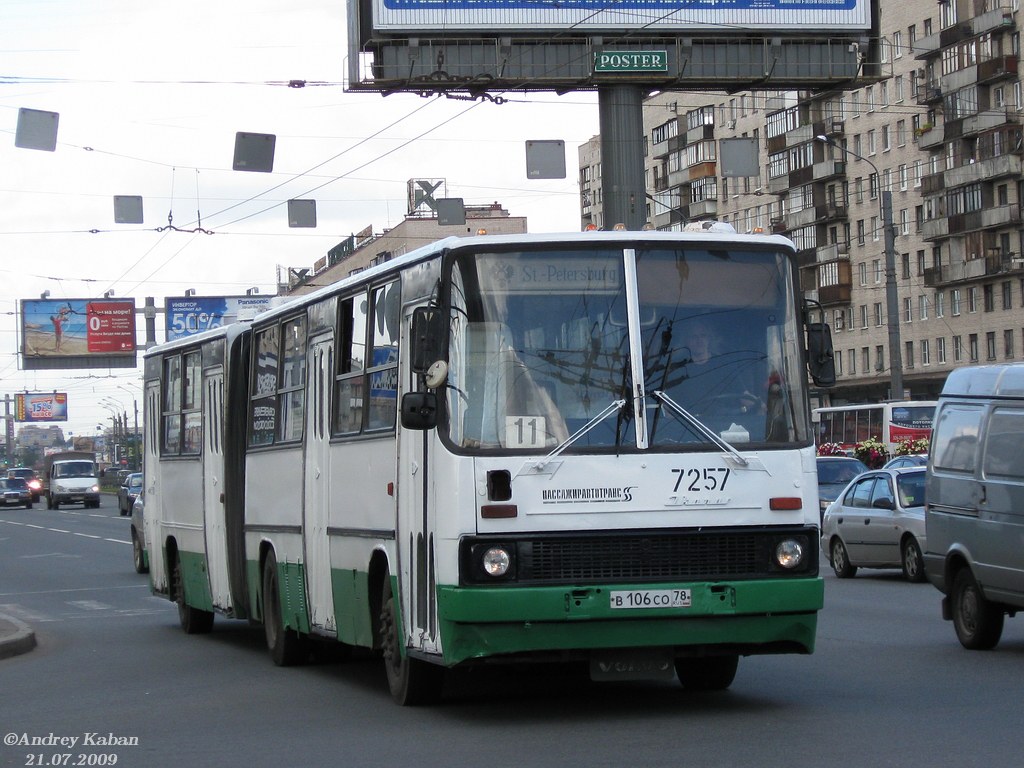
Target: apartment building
(941,131)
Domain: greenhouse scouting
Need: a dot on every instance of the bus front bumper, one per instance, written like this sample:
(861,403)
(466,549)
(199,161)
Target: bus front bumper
(745,617)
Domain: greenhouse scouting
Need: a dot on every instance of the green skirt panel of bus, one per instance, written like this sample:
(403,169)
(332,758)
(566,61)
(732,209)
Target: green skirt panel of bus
(748,617)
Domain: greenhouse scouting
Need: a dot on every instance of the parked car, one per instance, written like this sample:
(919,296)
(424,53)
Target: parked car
(140,555)
(834,473)
(128,492)
(878,522)
(915,460)
(14,492)
(29,476)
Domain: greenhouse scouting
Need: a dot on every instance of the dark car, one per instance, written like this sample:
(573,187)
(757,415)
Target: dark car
(29,476)
(128,492)
(834,473)
(914,460)
(14,492)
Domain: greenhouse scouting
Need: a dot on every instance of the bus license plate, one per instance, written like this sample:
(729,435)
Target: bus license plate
(635,599)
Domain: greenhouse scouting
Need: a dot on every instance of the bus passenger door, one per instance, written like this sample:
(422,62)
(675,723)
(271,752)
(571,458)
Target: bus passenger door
(316,500)
(414,532)
(213,489)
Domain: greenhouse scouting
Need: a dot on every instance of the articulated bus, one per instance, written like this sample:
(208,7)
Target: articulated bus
(590,448)
(890,423)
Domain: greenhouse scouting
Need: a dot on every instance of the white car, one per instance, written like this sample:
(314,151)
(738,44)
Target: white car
(877,522)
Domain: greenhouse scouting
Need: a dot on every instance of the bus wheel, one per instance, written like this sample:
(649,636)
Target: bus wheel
(285,645)
(841,561)
(411,681)
(193,620)
(978,623)
(707,673)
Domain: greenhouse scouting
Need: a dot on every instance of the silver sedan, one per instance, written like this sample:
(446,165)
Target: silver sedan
(877,522)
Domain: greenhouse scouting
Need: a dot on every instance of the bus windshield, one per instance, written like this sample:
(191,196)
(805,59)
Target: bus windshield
(542,345)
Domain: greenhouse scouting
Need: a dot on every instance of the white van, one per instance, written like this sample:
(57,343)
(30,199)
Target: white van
(974,501)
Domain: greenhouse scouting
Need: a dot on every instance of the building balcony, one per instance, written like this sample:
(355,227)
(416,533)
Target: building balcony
(926,47)
(935,229)
(992,168)
(954,81)
(700,133)
(928,93)
(988,218)
(933,183)
(996,69)
(992,20)
(703,209)
(955,34)
(701,170)
(838,293)
(984,121)
(931,138)
(832,252)
(829,169)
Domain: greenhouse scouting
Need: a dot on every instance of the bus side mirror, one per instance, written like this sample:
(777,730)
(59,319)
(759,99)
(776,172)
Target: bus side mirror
(820,360)
(427,338)
(419,410)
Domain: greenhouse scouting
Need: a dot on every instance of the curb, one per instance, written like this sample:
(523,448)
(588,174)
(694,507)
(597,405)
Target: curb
(16,637)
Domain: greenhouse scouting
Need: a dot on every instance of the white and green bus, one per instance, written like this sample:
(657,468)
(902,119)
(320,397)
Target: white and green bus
(587,447)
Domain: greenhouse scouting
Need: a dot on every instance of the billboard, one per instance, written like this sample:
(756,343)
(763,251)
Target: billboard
(41,406)
(650,16)
(77,333)
(189,315)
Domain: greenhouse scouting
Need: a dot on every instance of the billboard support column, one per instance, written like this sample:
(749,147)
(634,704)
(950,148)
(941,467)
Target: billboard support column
(622,155)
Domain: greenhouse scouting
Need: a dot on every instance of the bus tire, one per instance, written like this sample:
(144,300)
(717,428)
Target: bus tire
(285,645)
(978,622)
(707,673)
(194,621)
(412,682)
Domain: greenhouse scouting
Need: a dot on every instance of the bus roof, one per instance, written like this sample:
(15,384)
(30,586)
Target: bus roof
(622,237)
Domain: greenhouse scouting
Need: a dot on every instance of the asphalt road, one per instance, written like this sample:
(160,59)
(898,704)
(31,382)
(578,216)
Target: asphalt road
(887,686)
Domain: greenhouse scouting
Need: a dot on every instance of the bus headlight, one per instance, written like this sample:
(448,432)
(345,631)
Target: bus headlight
(496,561)
(789,553)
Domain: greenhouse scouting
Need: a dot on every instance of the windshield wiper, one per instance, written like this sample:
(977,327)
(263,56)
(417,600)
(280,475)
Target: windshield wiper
(698,426)
(614,406)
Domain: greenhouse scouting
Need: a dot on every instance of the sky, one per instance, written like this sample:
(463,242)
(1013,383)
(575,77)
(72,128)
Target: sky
(150,97)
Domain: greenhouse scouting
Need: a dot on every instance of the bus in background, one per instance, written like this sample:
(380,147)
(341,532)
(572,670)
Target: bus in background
(890,423)
(592,447)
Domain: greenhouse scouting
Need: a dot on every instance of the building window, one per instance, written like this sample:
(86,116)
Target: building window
(1007,294)
(879,358)
(865,359)
(940,349)
(879,316)
(990,345)
(908,355)
(922,307)
(954,302)
(989,297)
(1008,344)
(972,299)
(926,352)
(940,309)
(958,350)
(972,347)
(908,310)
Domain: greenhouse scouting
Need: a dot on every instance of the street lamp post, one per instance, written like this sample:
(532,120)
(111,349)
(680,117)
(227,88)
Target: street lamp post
(892,300)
